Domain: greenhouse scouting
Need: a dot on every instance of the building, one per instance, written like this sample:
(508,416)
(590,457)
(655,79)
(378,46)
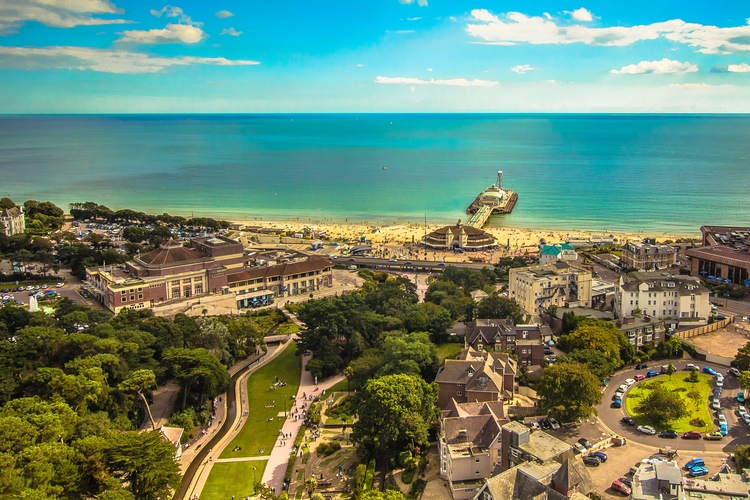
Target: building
(520,444)
(469,445)
(535,481)
(208,266)
(663,296)
(476,377)
(459,236)
(536,288)
(657,480)
(647,256)
(562,251)
(724,256)
(12,221)
(174,436)
(524,341)
(602,293)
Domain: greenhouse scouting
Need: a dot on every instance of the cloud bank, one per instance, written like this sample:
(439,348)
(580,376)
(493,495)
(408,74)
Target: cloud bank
(521,69)
(171,33)
(663,67)
(455,82)
(57,13)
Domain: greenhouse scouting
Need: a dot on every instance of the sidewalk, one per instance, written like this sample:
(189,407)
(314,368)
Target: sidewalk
(280,456)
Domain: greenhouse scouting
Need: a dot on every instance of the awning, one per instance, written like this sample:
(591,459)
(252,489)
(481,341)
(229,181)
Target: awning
(747,282)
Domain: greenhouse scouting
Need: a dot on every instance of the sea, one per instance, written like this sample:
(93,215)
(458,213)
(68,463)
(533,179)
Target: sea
(649,174)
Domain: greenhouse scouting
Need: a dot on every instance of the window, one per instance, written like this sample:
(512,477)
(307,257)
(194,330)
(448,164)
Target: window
(476,460)
(124,292)
(459,393)
(132,297)
(140,296)
(476,472)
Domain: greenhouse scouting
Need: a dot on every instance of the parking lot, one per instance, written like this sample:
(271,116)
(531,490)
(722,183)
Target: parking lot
(69,290)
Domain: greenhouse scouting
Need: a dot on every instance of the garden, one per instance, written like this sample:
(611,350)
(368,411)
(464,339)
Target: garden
(678,402)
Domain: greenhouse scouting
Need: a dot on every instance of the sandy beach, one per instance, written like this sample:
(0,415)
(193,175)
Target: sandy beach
(396,240)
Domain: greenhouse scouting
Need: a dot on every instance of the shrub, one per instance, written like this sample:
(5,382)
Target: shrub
(326,449)
(408,475)
(697,422)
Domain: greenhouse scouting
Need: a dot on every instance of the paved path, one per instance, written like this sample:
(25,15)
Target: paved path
(277,463)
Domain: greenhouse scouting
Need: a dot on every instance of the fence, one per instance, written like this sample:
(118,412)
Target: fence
(700,330)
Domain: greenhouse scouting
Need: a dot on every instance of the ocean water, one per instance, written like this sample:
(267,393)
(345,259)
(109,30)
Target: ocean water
(644,173)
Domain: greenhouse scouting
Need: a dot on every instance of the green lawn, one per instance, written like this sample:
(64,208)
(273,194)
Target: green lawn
(342,387)
(448,350)
(678,383)
(287,328)
(232,478)
(257,432)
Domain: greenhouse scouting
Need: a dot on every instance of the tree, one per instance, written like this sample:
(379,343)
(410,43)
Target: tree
(744,379)
(693,377)
(310,485)
(569,322)
(138,381)
(600,336)
(196,368)
(670,370)
(499,307)
(395,412)
(742,358)
(662,406)
(146,463)
(382,495)
(407,353)
(598,362)
(742,456)
(569,391)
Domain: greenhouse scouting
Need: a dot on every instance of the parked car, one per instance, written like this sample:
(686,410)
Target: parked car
(586,443)
(709,370)
(627,481)
(734,371)
(723,429)
(691,366)
(740,397)
(602,456)
(627,421)
(713,436)
(698,471)
(547,350)
(722,419)
(579,448)
(641,366)
(695,462)
(623,388)
(553,423)
(651,373)
(646,429)
(639,377)
(629,382)
(668,434)
(746,418)
(591,460)
(716,404)
(619,395)
(620,487)
(617,403)
(544,423)
(692,435)
(720,383)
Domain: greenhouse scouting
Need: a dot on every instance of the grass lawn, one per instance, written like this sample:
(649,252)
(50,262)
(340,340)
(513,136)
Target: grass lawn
(232,478)
(678,383)
(448,350)
(257,432)
(287,328)
(342,386)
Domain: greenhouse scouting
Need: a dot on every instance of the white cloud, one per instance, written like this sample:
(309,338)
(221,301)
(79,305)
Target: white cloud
(171,33)
(698,86)
(429,69)
(57,13)
(223,14)
(360,65)
(103,60)
(421,3)
(171,11)
(413,18)
(582,15)
(547,15)
(230,31)
(663,67)
(513,28)
(455,82)
(522,68)
(739,68)
(400,32)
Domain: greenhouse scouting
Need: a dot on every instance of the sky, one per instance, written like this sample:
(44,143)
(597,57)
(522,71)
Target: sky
(241,56)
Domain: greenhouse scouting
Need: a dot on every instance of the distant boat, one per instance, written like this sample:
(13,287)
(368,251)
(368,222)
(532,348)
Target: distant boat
(385,168)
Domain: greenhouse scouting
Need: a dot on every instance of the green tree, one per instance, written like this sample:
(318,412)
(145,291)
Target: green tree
(407,353)
(382,495)
(569,391)
(744,379)
(742,456)
(742,358)
(395,412)
(499,307)
(670,370)
(139,381)
(145,462)
(662,406)
(600,336)
(569,322)
(310,485)
(199,369)
(598,362)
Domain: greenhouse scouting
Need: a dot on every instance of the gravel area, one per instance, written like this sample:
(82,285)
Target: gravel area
(724,342)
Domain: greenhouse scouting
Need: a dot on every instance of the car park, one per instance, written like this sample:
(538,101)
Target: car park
(734,371)
(698,471)
(713,436)
(620,487)
(668,434)
(692,435)
(639,377)
(627,421)
(646,429)
(600,454)
(695,462)
(592,461)
(651,373)
(709,370)
(585,443)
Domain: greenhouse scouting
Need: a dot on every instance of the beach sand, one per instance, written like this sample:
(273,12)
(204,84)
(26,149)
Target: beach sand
(396,240)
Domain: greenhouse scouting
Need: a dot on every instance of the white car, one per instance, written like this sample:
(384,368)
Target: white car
(734,371)
(720,383)
(713,307)
(691,367)
(741,411)
(60,285)
(646,429)
(722,419)
(629,382)
(716,404)
(623,388)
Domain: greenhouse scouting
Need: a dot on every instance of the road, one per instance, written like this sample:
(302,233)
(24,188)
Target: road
(405,265)
(738,431)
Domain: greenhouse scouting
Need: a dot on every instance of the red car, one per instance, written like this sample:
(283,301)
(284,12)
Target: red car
(620,487)
(639,377)
(692,435)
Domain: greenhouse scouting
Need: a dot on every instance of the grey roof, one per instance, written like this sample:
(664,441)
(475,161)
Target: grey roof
(525,482)
(668,471)
(573,475)
(658,282)
(480,430)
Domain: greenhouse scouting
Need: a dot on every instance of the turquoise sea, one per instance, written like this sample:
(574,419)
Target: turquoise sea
(642,173)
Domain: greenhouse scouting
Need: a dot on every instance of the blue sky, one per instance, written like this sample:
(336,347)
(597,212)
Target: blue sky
(102,56)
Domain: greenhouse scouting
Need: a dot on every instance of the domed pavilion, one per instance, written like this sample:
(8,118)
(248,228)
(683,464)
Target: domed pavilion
(459,236)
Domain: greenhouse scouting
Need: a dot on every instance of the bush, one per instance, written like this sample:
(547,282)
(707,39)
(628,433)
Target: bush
(327,449)
(697,422)
(408,475)
(369,475)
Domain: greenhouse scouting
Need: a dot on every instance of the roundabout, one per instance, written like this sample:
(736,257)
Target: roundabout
(613,418)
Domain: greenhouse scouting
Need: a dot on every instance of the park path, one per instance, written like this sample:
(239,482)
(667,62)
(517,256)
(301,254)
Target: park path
(273,476)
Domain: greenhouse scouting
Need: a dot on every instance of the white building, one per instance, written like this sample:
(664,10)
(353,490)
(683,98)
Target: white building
(663,296)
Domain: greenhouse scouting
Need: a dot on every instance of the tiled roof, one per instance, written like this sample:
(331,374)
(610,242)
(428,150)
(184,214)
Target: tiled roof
(306,266)
(170,253)
(573,475)
(10,212)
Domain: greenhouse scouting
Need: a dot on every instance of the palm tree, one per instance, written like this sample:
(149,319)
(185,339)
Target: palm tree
(310,485)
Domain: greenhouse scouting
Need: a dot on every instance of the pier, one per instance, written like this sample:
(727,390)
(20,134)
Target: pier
(479,219)
(493,200)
